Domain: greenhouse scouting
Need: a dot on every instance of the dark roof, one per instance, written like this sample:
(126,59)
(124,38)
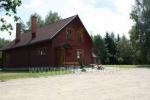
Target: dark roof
(44,33)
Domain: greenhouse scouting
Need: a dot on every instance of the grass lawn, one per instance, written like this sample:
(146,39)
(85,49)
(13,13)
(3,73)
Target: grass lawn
(128,66)
(15,75)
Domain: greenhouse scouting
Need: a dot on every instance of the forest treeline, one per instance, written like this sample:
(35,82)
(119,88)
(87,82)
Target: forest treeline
(120,50)
(113,49)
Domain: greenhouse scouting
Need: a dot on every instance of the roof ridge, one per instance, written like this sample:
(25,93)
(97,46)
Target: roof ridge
(28,32)
(57,21)
(25,40)
(49,24)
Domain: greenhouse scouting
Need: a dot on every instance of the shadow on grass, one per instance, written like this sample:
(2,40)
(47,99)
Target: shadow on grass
(143,66)
(128,66)
(14,71)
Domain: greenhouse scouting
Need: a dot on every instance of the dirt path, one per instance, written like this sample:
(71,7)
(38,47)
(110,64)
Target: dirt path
(110,84)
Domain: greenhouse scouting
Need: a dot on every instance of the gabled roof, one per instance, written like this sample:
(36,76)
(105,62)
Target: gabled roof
(42,34)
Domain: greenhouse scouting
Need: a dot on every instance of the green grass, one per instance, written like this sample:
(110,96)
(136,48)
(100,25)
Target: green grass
(15,75)
(128,66)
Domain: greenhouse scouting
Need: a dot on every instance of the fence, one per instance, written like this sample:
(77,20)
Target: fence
(41,69)
(53,69)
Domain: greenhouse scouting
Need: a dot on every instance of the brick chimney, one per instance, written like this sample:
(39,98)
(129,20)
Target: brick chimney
(18,32)
(33,26)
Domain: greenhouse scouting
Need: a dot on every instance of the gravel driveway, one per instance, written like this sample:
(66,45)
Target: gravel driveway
(109,84)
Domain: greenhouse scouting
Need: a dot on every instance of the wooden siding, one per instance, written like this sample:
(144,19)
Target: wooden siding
(85,45)
(28,56)
(15,57)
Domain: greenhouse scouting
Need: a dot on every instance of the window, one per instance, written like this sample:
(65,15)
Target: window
(42,51)
(80,36)
(69,34)
(7,58)
(79,53)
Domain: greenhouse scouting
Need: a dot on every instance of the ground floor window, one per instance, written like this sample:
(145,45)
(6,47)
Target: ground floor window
(79,53)
(7,57)
(42,51)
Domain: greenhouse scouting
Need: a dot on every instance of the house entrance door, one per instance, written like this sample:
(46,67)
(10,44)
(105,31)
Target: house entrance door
(80,56)
(59,56)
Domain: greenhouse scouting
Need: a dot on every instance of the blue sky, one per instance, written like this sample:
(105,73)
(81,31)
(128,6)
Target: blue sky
(98,16)
(105,4)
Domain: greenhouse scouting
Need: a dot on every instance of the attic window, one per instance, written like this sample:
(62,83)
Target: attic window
(42,51)
(69,34)
(80,36)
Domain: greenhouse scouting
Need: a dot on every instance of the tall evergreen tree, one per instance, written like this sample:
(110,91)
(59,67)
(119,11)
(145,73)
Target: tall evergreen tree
(111,46)
(140,32)
(125,54)
(100,48)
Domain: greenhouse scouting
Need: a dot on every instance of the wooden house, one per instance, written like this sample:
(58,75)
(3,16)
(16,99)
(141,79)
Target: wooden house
(58,44)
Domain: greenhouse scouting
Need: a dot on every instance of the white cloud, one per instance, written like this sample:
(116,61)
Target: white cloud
(124,6)
(96,19)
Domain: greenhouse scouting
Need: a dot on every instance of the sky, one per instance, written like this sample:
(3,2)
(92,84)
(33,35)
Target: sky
(98,16)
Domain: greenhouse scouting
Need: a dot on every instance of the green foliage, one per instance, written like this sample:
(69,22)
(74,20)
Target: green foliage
(140,32)
(100,48)
(128,66)
(112,50)
(0,58)
(51,17)
(118,50)
(125,53)
(8,8)
(3,42)
(111,47)
(27,27)
(83,70)
(4,75)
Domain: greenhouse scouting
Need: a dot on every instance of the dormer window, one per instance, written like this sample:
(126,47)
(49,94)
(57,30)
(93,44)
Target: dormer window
(69,34)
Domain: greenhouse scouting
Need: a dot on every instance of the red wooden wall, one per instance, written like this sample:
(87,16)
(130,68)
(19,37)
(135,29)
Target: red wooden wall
(27,56)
